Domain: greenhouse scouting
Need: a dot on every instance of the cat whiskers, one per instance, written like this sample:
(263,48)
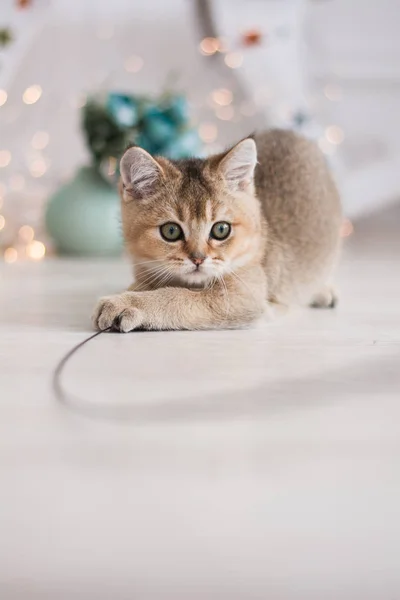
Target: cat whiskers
(232,272)
(145,262)
(149,273)
(211,283)
(156,276)
(162,278)
(167,277)
(226,295)
(147,277)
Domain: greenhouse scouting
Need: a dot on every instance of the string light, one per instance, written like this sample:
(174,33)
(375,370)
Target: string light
(326,147)
(209,46)
(32,94)
(10,255)
(225,113)
(208,132)
(26,234)
(112,165)
(133,64)
(3,97)
(5,158)
(233,60)
(252,37)
(222,96)
(36,250)
(222,45)
(38,167)
(40,140)
(334,134)
(333,92)
(347,228)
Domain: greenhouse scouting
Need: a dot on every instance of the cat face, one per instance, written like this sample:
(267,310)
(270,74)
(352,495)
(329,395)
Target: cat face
(191,221)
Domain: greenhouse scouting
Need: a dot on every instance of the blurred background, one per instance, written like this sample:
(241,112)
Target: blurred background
(79,80)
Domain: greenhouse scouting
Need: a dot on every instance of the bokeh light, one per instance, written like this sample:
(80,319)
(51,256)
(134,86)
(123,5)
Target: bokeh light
(347,228)
(222,96)
(225,113)
(40,140)
(112,165)
(333,92)
(36,250)
(326,147)
(133,64)
(209,46)
(233,60)
(32,94)
(38,167)
(334,134)
(5,158)
(17,182)
(208,132)
(26,233)
(10,255)
(3,97)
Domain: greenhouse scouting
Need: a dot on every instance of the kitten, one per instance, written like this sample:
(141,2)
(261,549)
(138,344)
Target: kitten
(212,240)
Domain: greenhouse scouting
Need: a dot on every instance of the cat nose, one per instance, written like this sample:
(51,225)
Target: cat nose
(197,259)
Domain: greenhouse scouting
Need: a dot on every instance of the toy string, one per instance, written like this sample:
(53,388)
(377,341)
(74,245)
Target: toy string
(59,392)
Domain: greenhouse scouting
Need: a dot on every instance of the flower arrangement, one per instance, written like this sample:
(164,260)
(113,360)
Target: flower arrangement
(159,125)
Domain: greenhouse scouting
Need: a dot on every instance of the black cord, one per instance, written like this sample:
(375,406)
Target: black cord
(59,392)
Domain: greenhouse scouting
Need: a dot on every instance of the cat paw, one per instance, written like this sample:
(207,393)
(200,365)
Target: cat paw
(325,298)
(118,313)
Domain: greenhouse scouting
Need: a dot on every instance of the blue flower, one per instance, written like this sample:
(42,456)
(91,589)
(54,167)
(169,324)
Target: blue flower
(177,110)
(123,109)
(159,129)
(142,140)
(184,145)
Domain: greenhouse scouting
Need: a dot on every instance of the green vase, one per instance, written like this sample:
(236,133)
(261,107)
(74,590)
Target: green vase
(83,216)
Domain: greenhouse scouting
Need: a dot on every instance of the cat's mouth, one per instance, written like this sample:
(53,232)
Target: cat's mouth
(199,274)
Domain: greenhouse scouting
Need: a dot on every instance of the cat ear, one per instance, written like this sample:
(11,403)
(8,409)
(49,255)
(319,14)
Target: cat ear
(237,166)
(140,173)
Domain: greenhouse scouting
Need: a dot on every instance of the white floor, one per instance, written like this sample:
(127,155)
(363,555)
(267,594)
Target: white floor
(261,464)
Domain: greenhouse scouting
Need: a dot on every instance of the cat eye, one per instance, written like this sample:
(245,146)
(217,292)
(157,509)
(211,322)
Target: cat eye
(171,232)
(220,230)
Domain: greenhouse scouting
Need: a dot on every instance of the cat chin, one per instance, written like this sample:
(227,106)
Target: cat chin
(196,279)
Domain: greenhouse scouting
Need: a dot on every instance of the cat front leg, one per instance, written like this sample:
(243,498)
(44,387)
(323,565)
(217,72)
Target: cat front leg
(228,304)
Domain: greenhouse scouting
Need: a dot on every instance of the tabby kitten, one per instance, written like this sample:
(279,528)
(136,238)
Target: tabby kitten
(212,240)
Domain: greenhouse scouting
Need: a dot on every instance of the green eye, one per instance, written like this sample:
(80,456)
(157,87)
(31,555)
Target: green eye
(220,230)
(171,232)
